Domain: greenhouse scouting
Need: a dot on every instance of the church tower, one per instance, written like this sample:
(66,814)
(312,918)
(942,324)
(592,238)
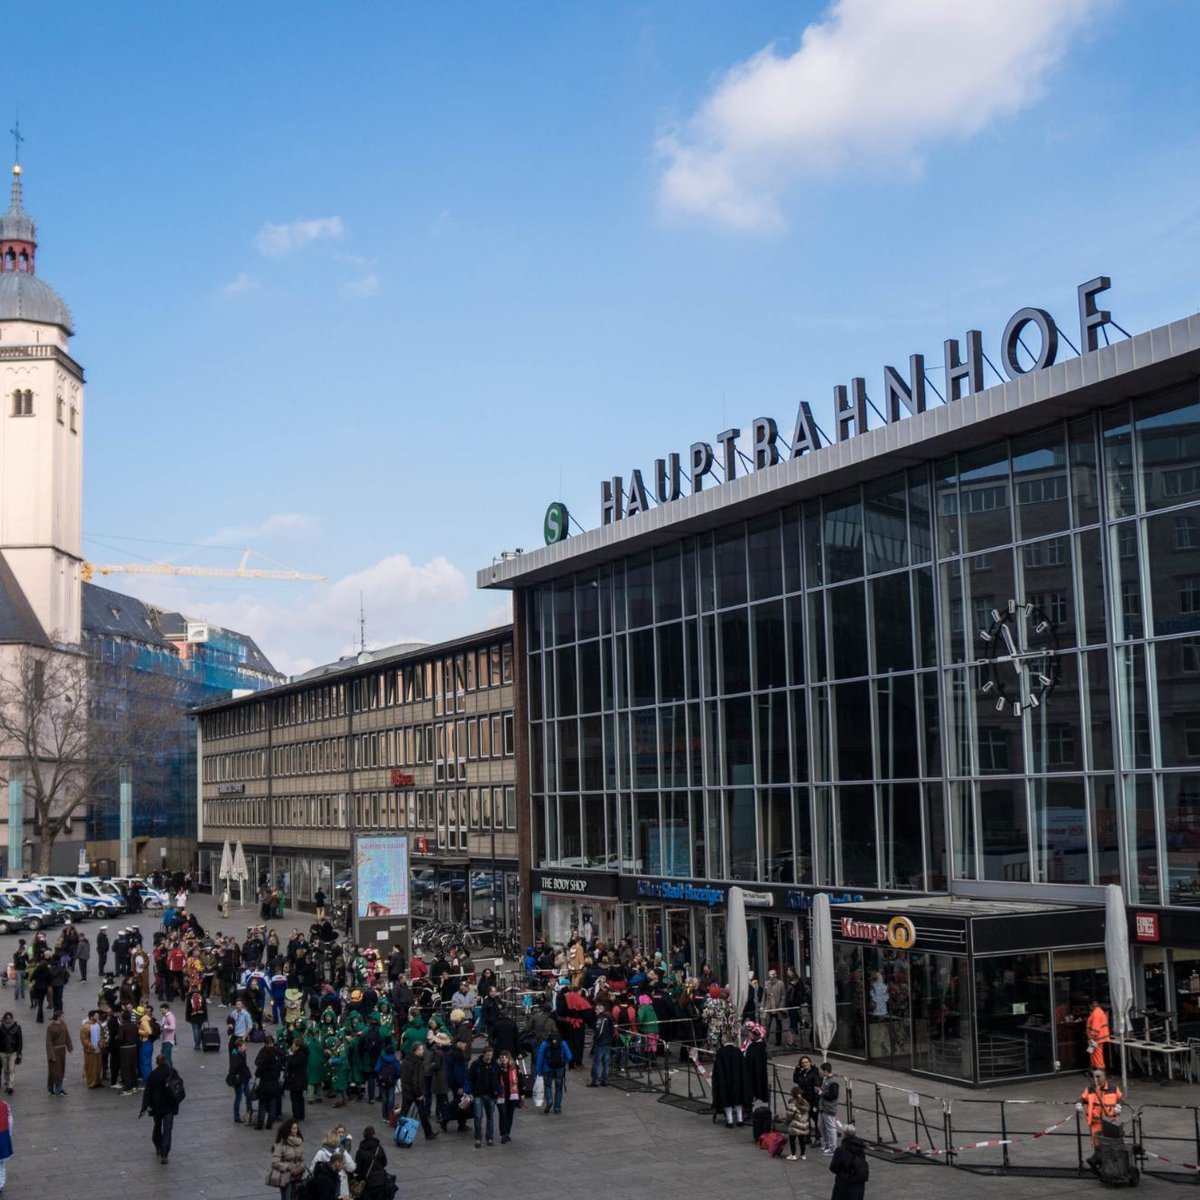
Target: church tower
(41,446)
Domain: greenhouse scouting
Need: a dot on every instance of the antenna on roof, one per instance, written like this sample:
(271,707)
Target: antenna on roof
(362,624)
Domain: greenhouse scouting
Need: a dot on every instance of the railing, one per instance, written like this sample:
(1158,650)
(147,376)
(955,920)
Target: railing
(18,353)
(1167,1141)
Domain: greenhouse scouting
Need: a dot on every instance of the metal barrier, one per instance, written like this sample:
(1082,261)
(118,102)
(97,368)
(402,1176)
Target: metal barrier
(1174,1128)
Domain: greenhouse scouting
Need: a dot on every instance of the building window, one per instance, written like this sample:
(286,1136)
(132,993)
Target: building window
(1189,594)
(1189,650)
(58,409)
(1127,541)
(1187,533)
(1045,554)
(1184,481)
(22,403)
(1191,737)
(1060,746)
(993,750)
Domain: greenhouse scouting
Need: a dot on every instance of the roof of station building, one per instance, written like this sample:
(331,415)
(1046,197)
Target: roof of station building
(1159,358)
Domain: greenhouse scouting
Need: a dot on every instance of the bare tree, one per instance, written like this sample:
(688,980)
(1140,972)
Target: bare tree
(67,723)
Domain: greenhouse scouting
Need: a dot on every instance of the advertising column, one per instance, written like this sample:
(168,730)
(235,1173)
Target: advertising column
(381,909)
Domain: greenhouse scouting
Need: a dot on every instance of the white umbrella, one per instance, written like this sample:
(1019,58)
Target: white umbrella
(824,998)
(241,872)
(737,949)
(226,862)
(1116,954)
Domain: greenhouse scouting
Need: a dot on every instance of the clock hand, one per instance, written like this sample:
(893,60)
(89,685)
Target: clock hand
(1008,640)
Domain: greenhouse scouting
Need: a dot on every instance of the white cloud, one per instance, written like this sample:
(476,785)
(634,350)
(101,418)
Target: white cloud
(364,285)
(287,524)
(871,80)
(241,284)
(275,241)
(299,625)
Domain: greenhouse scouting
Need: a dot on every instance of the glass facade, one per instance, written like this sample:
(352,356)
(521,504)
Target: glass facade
(987,667)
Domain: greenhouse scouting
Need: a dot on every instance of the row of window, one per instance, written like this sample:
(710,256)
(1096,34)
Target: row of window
(447,815)
(22,406)
(444,744)
(445,681)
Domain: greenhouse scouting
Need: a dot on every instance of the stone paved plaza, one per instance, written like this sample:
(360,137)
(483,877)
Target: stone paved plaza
(610,1143)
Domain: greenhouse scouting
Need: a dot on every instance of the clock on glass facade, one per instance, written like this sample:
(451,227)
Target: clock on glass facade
(1020,660)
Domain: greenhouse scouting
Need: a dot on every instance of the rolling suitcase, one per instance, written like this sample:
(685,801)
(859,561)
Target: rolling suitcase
(210,1039)
(406,1131)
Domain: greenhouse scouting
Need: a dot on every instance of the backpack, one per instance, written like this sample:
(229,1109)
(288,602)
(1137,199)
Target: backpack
(387,1074)
(555,1059)
(175,1089)
(860,1170)
(155,1029)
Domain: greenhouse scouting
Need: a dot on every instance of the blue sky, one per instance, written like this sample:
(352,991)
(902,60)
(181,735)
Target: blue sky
(365,287)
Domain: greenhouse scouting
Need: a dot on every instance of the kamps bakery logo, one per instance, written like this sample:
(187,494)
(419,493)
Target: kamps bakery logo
(899,933)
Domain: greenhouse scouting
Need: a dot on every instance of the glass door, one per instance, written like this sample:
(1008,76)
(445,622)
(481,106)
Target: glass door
(887,998)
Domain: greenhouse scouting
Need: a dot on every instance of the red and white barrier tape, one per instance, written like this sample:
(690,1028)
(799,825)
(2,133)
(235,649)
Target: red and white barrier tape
(990,1143)
(694,1054)
(1187,1166)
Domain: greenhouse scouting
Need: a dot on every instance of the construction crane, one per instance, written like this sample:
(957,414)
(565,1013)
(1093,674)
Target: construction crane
(241,571)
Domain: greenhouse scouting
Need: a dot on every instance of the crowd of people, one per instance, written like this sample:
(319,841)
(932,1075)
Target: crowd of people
(431,1047)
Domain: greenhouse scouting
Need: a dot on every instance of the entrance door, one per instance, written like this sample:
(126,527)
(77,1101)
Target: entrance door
(678,952)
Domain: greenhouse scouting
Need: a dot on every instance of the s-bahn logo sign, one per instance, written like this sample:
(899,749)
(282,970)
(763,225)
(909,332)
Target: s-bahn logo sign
(899,933)
(1032,330)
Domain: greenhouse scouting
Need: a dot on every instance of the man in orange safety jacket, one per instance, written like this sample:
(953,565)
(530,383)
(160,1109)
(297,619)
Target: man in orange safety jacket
(1098,1035)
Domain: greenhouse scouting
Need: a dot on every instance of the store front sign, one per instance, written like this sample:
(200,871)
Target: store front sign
(561,883)
(1145,926)
(1033,329)
(402,779)
(899,932)
(231,789)
(802,901)
(654,889)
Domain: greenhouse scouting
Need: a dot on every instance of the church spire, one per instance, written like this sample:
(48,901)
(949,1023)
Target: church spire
(18,234)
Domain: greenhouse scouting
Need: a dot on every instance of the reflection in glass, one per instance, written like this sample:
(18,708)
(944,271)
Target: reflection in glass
(843,536)
(1141,835)
(848,631)
(1060,830)
(1181,831)
(1168,440)
(886,524)
(766,566)
(983,497)
(1040,483)
(1005,827)
(891,619)
(1118,463)
(1177,676)
(856,818)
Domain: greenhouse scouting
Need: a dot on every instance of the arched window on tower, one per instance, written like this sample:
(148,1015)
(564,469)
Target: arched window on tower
(59,408)
(24,261)
(22,403)
(9,259)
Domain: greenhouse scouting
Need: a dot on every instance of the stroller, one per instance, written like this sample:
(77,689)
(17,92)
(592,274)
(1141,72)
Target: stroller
(1113,1161)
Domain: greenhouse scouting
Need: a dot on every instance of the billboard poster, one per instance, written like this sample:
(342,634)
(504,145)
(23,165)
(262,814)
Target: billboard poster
(381,876)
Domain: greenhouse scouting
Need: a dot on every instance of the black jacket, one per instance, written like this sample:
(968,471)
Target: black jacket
(326,1183)
(267,1067)
(849,1165)
(155,1098)
(505,1036)
(297,1068)
(239,1070)
(370,1163)
(10,1038)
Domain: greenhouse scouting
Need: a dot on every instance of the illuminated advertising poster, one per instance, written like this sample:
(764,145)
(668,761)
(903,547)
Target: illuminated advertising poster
(382,876)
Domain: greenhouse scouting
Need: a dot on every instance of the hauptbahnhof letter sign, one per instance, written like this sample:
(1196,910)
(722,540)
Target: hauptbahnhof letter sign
(902,397)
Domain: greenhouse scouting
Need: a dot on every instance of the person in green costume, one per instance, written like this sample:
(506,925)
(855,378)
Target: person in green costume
(316,1060)
(415,1031)
(339,1070)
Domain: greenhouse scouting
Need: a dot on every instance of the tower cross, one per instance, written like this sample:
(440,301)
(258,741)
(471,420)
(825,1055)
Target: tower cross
(17,139)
